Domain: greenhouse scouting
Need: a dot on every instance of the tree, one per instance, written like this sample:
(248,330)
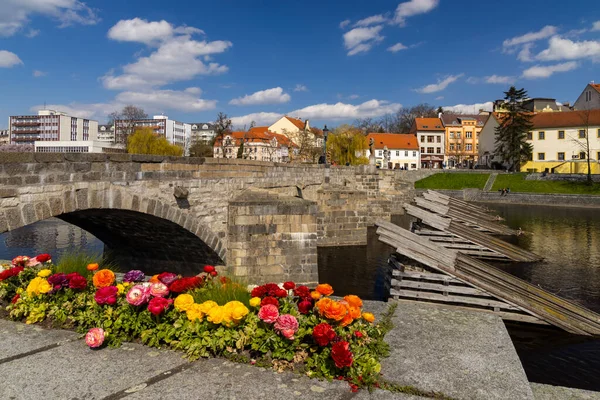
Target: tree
(367,125)
(511,134)
(306,141)
(240,153)
(127,117)
(222,126)
(145,141)
(584,115)
(402,120)
(347,145)
(440,110)
(201,149)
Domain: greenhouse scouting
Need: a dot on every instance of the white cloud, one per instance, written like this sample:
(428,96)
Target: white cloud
(159,100)
(541,71)
(565,49)
(543,33)
(194,90)
(372,20)
(268,96)
(397,47)
(371,108)
(470,108)
(473,80)
(140,30)
(39,74)
(525,53)
(413,7)
(15,14)
(32,33)
(260,118)
(441,85)
(596,26)
(498,79)
(91,111)
(360,40)
(440,98)
(300,88)
(8,59)
(345,23)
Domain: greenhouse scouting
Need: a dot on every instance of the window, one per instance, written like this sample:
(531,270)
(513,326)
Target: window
(541,156)
(598,156)
(561,156)
(406,153)
(451,147)
(582,134)
(422,139)
(425,127)
(413,166)
(451,135)
(469,147)
(529,135)
(414,153)
(380,153)
(397,153)
(458,147)
(430,150)
(541,136)
(530,157)
(561,134)
(458,135)
(422,149)
(439,139)
(469,135)
(599,132)
(430,139)
(582,155)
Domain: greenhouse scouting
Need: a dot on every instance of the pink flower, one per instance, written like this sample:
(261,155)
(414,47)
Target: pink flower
(95,337)
(158,305)
(268,313)
(287,325)
(159,290)
(106,295)
(138,295)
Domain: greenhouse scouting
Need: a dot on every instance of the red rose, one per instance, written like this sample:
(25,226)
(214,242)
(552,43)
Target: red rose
(302,291)
(43,257)
(185,284)
(323,334)
(269,300)
(358,334)
(289,285)
(106,295)
(158,305)
(167,278)
(271,289)
(78,282)
(208,269)
(341,354)
(15,298)
(281,293)
(305,306)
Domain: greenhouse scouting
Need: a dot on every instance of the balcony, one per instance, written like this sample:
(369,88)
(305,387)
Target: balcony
(21,131)
(24,123)
(24,139)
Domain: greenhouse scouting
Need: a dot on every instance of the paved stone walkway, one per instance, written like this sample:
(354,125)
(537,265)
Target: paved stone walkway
(490,182)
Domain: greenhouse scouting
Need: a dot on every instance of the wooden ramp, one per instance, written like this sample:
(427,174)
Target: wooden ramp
(495,289)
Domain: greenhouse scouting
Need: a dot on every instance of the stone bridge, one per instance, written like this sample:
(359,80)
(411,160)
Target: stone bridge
(263,221)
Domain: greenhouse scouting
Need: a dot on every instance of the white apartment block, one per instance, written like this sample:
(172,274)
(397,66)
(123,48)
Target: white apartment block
(403,150)
(106,133)
(431,134)
(202,132)
(50,125)
(177,133)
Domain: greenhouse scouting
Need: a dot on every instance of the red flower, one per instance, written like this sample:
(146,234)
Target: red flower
(258,291)
(213,273)
(167,278)
(289,285)
(271,289)
(281,293)
(358,334)
(224,280)
(208,269)
(323,334)
(184,284)
(269,300)
(305,306)
(158,305)
(43,257)
(106,295)
(268,313)
(9,273)
(15,298)
(302,291)
(341,354)
(78,282)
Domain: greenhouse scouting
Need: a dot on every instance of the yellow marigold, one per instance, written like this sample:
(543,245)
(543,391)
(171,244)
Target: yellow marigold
(325,289)
(183,302)
(207,306)
(38,286)
(315,295)
(103,278)
(353,301)
(216,314)
(44,273)
(255,302)
(367,316)
(194,312)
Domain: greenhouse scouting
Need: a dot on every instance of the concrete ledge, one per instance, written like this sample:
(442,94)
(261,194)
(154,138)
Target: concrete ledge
(549,392)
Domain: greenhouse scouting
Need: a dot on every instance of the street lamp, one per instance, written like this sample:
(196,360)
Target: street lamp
(325,133)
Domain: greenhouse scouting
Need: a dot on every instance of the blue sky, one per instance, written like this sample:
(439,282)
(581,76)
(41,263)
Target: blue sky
(257,60)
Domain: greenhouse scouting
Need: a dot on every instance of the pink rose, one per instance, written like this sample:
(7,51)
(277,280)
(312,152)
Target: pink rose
(268,313)
(287,325)
(95,337)
(138,295)
(158,305)
(159,290)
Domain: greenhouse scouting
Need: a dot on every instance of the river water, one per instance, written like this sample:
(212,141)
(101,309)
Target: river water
(568,238)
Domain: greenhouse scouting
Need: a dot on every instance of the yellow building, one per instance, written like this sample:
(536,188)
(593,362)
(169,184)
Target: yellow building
(462,138)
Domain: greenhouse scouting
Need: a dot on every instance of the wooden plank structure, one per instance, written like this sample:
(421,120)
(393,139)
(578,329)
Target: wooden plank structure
(463,281)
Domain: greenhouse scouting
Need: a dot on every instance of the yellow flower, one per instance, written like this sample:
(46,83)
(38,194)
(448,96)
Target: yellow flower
(207,306)
(255,302)
(183,302)
(44,273)
(20,290)
(367,316)
(38,286)
(121,288)
(194,312)
(216,314)
(234,312)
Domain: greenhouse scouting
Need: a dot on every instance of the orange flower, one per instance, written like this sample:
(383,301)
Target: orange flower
(315,295)
(354,312)
(103,278)
(325,289)
(334,310)
(321,304)
(367,316)
(92,267)
(347,320)
(353,301)
(154,279)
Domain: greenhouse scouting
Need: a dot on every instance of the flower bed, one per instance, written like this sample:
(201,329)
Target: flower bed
(287,327)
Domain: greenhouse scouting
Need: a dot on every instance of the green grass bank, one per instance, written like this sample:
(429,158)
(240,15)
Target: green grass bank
(517,183)
(453,181)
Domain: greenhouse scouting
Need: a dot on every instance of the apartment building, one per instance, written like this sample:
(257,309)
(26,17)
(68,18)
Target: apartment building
(178,133)
(106,133)
(259,144)
(50,125)
(202,132)
(4,137)
(462,138)
(430,134)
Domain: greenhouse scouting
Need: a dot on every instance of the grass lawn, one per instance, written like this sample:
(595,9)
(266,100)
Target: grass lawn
(517,183)
(452,181)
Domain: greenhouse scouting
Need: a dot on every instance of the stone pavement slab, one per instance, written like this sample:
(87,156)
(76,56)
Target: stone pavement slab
(549,392)
(465,355)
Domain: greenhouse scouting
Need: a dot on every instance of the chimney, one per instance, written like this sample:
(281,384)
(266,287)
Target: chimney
(306,125)
(440,115)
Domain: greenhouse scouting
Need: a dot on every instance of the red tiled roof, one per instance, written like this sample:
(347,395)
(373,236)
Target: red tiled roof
(258,134)
(566,119)
(393,141)
(298,123)
(595,86)
(429,124)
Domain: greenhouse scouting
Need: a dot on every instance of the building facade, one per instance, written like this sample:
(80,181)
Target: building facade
(106,133)
(202,132)
(589,99)
(50,125)
(78,146)
(259,144)
(462,138)
(4,137)
(430,134)
(403,150)
(298,131)
(177,133)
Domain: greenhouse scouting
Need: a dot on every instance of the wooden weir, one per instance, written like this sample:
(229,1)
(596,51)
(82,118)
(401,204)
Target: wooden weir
(463,281)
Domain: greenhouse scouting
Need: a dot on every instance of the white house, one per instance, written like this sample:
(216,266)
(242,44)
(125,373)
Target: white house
(588,99)
(293,128)
(403,148)
(430,133)
(259,144)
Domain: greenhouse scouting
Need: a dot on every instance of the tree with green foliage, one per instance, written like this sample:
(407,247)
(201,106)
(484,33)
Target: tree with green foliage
(145,141)
(347,145)
(201,149)
(240,153)
(511,134)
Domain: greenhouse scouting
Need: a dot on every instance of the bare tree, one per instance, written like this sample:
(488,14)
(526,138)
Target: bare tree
(222,128)
(126,125)
(584,115)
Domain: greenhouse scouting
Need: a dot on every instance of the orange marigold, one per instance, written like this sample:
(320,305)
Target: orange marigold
(315,295)
(103,278)
(334,310)
(353,301)
(325,289)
